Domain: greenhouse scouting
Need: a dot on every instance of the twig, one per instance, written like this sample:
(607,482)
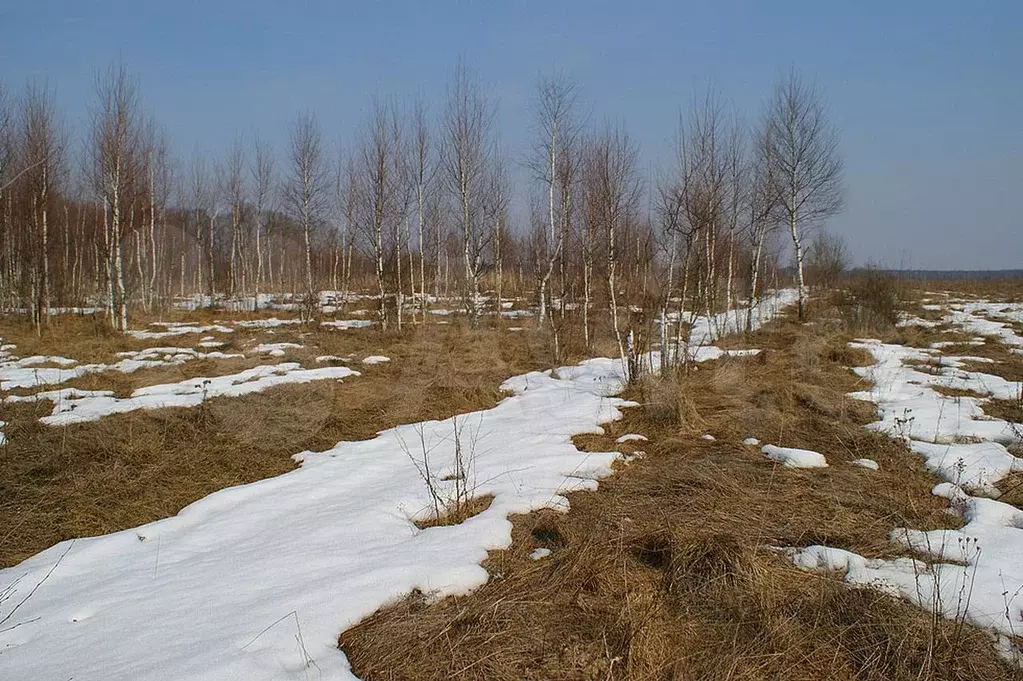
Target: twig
(38,584)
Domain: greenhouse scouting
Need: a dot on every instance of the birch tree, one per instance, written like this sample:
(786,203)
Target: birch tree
(5,140)
(422,170)
(307,186)
(616,193)
(806,169)
(760,211)
(378,194)
(201,195)
(262,172)
(553,166)
(41,153)
(114,156)
(159,185)
(469,151)
(233,176)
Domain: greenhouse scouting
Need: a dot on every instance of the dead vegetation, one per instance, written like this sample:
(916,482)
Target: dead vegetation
(666,572)
(128,469)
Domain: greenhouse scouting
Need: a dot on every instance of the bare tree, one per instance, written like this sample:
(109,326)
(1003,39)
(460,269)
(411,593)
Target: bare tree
(806,167)
(468,153)
(263,182)
(201,196)
(159,186)
(233,177)
(826,259)
(5,146)
(307,187)
(703,175)
(114,155)
(423,168)
(554,166)
(760,211)
(615,193)
(41,152)
(379,192)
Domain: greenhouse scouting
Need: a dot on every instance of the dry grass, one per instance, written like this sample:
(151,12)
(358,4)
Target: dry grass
(457,513)
(957,392)
(664,572)
(129,469)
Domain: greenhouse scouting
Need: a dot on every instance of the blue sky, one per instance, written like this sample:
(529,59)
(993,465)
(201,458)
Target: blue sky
(928,95)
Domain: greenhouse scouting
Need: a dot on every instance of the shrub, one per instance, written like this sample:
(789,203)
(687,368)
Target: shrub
(873,300)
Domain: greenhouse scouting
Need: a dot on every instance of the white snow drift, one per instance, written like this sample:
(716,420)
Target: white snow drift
(77,406)
(220,591)
(790,457)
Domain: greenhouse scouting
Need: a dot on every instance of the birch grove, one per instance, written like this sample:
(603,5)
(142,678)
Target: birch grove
(417,211)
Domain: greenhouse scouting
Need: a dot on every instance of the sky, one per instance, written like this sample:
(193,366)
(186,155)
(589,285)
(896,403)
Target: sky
(927,95)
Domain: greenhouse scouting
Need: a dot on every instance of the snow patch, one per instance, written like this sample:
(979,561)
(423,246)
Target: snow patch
(631,437)
(78,406)
(197,596)
(791,457)
(865,463)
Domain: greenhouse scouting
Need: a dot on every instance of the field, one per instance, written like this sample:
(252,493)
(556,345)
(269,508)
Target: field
(252,496)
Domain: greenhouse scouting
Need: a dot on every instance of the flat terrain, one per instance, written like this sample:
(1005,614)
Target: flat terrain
(836,500)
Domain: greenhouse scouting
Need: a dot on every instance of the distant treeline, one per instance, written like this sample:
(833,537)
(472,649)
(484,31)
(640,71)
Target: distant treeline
(946,274)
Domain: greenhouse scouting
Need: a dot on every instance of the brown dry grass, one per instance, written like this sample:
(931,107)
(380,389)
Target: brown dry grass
(665,571)
(457,513)
(129,469)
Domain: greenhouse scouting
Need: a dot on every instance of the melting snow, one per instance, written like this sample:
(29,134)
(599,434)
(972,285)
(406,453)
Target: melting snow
(77,406)
(630,437)
(342,324)
(174,329)
(266,323)
(966,448)
(220,590)
(276,349)
(791,457)
(865,463)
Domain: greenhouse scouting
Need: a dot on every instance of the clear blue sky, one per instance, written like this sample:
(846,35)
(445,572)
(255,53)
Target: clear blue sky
(928,95)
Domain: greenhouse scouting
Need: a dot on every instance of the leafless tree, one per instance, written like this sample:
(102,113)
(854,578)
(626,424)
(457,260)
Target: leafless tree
(379,193)
(232,174)
(5,139)
(805,163)
(553,164)
(703,164)
(308,185)
(615,194)
(826,259)
(262,172)
(760,214)
(159,186)
(467,158)
(202,203)
(41,151)
(347,207)
(422,170)
(114,154)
